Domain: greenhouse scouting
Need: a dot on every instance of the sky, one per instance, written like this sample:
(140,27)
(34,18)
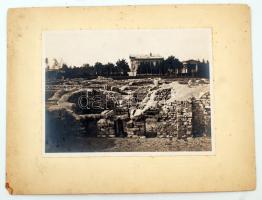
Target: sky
(76,48)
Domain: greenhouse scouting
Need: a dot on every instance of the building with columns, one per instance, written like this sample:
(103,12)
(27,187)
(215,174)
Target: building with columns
(136,60)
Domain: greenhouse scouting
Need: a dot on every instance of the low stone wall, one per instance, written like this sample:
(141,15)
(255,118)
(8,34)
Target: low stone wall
(105,128)
(135,128)
(178,119)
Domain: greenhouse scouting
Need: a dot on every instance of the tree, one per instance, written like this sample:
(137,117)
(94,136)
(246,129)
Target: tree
(171,64)
(108,69)
(65,67)
(123,66)
(87,70)
(98,68)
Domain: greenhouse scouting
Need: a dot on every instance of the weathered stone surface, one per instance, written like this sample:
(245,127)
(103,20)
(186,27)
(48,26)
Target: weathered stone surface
(164,110)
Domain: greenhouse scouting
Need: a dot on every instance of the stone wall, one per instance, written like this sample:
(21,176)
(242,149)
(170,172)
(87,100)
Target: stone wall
(178,119)
(167,124)
(184,119)
(105,128)
(136,128)
(201,116)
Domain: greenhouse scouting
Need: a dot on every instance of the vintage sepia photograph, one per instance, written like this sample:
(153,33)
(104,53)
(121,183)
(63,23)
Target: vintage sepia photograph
(127,91)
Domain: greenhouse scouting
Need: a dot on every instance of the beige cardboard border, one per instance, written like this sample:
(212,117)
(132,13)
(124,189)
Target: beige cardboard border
(231,169)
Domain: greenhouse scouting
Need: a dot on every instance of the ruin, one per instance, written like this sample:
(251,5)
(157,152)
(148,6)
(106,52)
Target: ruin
(140,108)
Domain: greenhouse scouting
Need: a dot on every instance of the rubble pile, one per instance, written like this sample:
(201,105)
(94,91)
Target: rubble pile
(164,94)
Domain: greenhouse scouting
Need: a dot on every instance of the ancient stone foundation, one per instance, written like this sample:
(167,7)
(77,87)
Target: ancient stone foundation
(139,108)
(178,119)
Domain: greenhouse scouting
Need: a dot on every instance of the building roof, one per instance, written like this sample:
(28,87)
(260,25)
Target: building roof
(191,61)
(146,56)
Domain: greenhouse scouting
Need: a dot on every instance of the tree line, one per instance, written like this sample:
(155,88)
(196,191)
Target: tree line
(168,66)
(173,66)
(120,68)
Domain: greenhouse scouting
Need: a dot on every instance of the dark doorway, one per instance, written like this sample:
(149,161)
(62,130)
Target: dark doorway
(119,128)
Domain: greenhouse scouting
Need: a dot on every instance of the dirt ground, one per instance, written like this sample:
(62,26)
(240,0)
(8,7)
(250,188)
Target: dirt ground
(85,144)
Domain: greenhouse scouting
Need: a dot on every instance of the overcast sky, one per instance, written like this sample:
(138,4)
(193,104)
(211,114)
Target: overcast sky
(91,46)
